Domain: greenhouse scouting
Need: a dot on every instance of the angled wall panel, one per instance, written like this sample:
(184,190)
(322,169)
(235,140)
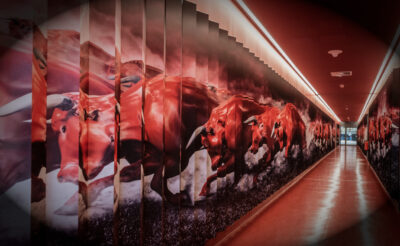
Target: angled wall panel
(131,125)
(62,141)
(173,117)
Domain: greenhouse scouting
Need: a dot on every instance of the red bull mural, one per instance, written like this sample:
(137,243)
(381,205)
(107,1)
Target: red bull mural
(378,134)
(145,123)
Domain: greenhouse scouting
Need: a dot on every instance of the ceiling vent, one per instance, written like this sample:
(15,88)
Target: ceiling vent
(335,53)
(341,74)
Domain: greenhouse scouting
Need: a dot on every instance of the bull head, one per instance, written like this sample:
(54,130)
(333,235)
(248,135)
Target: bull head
(89,138)
(213,139)
(96,142)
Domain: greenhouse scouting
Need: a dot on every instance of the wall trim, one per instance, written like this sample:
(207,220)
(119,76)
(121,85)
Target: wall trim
(246,219)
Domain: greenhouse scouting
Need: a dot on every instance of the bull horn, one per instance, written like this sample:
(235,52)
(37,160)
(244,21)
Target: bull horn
(250,119)
(56,100)
(39,56)
(128,79)
(16,105)
(273,131)
(118,106)
(25,102)
(195,134)
(30,121)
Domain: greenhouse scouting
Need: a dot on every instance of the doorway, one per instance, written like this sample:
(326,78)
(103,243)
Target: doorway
(348,135)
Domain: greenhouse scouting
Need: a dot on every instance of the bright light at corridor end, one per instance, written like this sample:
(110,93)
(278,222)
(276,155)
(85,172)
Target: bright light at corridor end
(269,38)
(385,68)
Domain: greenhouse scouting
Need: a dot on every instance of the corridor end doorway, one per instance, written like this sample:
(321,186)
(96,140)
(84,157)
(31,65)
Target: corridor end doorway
(348,135)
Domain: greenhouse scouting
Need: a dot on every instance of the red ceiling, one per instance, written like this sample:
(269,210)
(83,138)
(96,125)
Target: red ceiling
(306,31)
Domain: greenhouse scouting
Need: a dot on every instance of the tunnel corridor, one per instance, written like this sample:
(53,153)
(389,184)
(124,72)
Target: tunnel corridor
(199,122)
(339,202)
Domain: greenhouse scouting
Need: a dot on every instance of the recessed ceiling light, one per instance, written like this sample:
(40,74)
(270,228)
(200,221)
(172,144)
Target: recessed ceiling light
(341,86)
(335,53)
(341,73)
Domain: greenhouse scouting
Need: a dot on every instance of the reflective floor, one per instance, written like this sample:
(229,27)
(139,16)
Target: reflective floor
(340,202)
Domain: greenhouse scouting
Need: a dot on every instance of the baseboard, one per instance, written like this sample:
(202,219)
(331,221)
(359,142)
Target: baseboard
(394,202)
(222,237)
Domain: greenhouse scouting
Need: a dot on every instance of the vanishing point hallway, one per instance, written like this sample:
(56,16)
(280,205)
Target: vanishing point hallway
(340,202)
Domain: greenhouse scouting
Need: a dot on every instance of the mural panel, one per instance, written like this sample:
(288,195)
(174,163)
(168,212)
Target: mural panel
(383,134)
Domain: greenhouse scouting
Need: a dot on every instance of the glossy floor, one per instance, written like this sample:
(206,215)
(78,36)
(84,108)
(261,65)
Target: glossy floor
(340,202)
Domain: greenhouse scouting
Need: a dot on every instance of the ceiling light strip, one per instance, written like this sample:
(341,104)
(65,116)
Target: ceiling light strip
(251,15)
(378,80)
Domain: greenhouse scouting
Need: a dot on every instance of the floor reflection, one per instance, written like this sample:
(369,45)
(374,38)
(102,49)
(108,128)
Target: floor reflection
(338,202)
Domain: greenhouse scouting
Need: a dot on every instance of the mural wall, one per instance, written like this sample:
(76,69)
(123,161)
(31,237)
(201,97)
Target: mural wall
(142,122)
(380,129)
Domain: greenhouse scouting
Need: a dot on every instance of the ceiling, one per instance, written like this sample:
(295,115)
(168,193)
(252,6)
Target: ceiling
(306,30)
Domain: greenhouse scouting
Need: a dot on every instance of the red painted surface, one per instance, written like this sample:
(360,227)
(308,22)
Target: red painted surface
(338,202)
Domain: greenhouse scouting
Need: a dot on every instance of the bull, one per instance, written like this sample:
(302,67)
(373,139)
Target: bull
(385,129)
(317,132)
(226,138)
(385,134)
(261,128)
(289,129)
(96,126)
(372,131)
(196,103)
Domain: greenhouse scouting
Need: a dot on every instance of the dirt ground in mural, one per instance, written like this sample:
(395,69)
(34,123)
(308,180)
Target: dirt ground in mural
(190,225)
